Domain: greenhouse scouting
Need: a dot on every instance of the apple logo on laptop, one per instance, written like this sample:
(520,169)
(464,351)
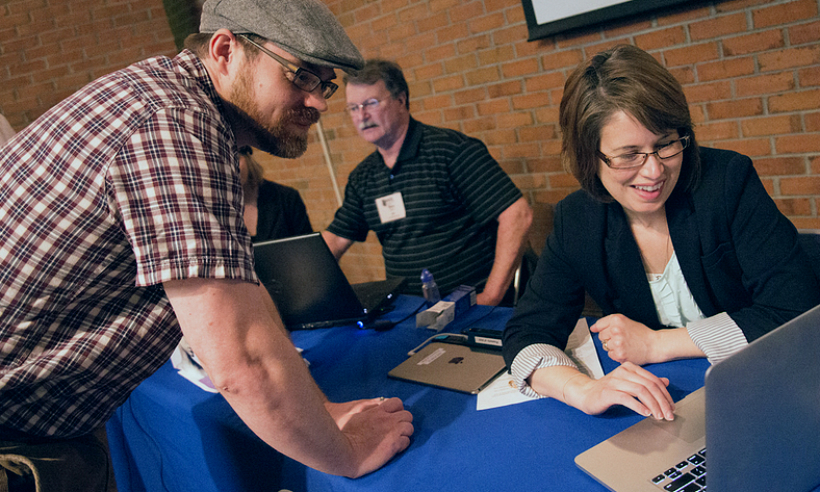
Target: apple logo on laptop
(456,360)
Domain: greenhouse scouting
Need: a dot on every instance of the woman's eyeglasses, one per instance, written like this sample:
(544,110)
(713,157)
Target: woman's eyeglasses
(637,159)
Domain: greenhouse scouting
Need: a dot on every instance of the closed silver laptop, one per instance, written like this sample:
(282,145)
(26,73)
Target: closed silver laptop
(452,366)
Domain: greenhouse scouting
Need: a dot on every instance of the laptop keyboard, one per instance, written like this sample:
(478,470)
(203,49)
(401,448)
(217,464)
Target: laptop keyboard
(687,476)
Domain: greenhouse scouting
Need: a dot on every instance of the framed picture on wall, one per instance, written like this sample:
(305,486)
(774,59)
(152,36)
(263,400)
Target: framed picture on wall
(548,17)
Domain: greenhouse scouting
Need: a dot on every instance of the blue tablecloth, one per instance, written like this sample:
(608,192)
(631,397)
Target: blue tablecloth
(172,436)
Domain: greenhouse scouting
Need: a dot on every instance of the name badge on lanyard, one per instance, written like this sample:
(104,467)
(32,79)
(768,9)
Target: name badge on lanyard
(391,207)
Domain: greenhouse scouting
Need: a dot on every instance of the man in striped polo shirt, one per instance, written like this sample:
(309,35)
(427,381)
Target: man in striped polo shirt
(435,197)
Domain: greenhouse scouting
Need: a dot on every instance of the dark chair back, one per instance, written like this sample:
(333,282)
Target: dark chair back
(810,242)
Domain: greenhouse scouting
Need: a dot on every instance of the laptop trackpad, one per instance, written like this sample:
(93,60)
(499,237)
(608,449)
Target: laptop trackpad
(690,418)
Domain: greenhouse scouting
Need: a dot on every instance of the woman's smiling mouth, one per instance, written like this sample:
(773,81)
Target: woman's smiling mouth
(649,188)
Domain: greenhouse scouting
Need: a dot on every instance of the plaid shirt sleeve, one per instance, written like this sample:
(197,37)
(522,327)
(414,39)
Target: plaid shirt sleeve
(180,204)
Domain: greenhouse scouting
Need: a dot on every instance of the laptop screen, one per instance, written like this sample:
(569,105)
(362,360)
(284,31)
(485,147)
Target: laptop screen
(306,283)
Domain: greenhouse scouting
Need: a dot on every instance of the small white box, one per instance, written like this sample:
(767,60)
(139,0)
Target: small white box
(437,317)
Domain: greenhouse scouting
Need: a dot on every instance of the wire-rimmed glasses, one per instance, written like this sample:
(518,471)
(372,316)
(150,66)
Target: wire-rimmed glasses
(301,78)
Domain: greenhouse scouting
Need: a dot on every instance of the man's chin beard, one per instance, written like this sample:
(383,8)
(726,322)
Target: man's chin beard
(287,146)
(275,139)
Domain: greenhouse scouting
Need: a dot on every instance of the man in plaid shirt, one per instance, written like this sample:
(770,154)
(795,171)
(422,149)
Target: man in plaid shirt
(121,229)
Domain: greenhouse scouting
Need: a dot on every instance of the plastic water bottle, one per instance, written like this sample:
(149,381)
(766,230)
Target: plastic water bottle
(429,287)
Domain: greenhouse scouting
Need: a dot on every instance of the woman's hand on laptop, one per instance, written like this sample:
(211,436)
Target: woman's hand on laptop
(629,385)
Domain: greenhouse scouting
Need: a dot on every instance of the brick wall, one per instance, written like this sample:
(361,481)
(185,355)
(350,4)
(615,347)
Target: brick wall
(750,69)
(51,48)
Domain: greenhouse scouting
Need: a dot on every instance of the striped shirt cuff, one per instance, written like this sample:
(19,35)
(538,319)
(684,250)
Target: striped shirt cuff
(534,357)
(718,336)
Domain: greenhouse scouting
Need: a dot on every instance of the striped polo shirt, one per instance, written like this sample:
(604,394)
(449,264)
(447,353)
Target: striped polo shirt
(452,191)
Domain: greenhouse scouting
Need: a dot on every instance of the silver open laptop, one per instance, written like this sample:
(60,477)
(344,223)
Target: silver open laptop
(758,415)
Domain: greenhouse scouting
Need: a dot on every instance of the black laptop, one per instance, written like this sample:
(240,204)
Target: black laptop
(311,291)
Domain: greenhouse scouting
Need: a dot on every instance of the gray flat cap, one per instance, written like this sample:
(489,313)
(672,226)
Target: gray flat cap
(304,28)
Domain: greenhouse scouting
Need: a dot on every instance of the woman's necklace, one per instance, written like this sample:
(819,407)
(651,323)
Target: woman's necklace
(667,255)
